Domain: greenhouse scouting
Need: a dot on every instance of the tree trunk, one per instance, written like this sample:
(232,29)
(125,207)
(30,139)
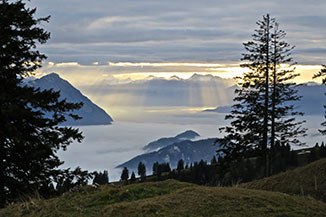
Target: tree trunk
(273,98)
(265,132)
(2,170)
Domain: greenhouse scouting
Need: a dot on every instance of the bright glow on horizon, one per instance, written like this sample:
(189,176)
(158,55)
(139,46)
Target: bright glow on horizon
(128,64)
(80,74)
(67,64)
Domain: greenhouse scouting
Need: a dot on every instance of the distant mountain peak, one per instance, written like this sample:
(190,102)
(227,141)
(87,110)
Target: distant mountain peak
(175,77)
(198,76)
(206,77)
(91,114)
(189,134)
(311,83)
(51,75)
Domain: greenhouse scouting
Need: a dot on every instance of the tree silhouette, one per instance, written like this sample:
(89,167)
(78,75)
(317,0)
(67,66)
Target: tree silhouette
(263,112)
(101,178)
(155,168)
(29,140)
(125,174)
(180,165)
(133,177)
(158,168)
(141,170)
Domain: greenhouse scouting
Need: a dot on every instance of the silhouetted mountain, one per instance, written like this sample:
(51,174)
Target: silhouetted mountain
(160,143)
(189,151)
(91,114)
(312,101)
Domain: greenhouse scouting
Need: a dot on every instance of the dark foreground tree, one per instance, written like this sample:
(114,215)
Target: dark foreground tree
(322,73)
(29,139)
(263,112)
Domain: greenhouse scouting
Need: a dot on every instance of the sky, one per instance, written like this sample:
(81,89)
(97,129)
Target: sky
(105,42)
(103,33)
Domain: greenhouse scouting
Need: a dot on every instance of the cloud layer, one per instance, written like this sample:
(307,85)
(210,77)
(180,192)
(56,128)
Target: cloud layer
(183,31)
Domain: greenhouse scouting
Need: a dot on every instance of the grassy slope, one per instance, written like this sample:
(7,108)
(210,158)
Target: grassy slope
(299,181)
(169,198)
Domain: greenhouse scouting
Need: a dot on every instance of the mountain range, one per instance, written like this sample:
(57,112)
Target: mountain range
(196,91)
(187,150)
(163,142)
(91,113)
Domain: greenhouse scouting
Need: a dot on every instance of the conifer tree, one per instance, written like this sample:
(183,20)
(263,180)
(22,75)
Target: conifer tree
(125,174)
(29,140)
(105,177)
(101,178)
(155,168)
(180,165)
(249,115)
(133,177)
(263,111)
(142,170)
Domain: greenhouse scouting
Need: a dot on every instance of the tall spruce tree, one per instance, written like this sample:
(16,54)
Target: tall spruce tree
(249,115)
(263,111)
(29,140)
(322,73)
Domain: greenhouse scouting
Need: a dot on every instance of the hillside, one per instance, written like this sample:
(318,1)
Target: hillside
(169,198)
(301,181)
(91,113)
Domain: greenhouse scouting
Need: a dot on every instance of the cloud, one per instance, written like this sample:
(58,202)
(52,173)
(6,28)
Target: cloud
(69,64)
(159,31)
(124,64)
